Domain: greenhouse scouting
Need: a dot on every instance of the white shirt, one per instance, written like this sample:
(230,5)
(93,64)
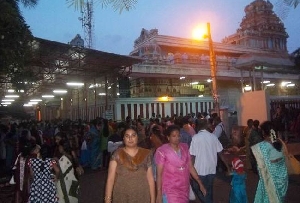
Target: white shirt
(205,147)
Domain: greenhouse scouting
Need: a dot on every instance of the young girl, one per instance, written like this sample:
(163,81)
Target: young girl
(43,187)
(238,186)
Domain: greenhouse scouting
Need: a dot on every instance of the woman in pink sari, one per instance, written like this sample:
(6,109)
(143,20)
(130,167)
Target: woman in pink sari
(174,167)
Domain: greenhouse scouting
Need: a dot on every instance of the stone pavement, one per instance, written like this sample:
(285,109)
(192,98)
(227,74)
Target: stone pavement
(93,183)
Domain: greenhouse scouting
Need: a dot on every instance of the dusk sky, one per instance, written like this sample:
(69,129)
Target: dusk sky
(115,33)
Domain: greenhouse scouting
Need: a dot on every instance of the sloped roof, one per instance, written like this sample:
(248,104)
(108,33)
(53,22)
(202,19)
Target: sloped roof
(56,63)
(270,62)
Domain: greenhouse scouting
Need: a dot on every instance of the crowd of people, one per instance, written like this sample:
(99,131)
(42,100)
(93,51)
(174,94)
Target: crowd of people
(161,160)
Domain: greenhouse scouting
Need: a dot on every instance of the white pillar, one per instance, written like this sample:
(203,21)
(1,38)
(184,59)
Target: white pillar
(132,110)
(126,110)
(159,108)
(144,109)
(118,111)
(167,109)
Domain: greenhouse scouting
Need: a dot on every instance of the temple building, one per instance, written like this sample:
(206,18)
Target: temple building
(167,75)
(179,69)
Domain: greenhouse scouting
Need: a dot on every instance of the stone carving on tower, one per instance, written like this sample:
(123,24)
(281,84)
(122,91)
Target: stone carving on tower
(260,28)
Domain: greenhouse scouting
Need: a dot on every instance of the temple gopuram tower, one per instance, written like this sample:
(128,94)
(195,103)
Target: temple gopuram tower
(260,28)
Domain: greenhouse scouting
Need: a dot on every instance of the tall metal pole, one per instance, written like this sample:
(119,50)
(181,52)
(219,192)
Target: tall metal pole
(213,69)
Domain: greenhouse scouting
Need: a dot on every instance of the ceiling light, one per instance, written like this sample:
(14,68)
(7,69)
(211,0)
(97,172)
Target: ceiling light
(27,105)
(209,80)
(10,90)
(48,96)
(5,103)
(290,85)
(8,100)
(266,81)
(35,100)
(102,94)
(270,85)
(60,91)
(285,83)
(12,96)
(247,88)
(75,83)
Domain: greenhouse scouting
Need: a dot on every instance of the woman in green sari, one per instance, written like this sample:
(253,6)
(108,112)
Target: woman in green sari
(273,177)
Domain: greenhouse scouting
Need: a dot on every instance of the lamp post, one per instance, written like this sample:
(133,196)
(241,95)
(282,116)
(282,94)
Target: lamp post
(213,67)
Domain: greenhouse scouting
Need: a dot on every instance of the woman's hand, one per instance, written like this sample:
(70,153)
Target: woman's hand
(159,198)
(202,188)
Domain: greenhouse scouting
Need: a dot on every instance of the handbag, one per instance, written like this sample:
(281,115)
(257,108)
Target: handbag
(293,165)
(84,145)
(74,188)
(12,180)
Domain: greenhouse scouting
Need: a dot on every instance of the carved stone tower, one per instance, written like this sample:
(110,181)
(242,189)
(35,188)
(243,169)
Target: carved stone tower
(260,28)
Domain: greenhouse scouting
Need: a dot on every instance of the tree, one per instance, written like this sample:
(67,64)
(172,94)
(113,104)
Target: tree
(15,40)
(116,4)
(293,3)
(129,4)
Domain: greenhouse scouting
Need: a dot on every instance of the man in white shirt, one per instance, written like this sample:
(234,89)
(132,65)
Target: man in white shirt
(205,148)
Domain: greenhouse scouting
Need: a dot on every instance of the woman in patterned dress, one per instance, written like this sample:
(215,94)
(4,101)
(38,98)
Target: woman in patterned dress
(43,187)
(130,178)
(273,177)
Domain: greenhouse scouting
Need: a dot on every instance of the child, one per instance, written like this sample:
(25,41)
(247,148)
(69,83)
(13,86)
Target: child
(238,191)
(43,187)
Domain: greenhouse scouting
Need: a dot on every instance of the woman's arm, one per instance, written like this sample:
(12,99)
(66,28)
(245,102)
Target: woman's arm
(56,170)
(194,174)
(110,181)
(159,170)
(151,183)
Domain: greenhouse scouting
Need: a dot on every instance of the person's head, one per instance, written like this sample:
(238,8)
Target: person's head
(121,127)
(156,130)
(139,123)
(256,124)
(217,120)
(130,137)
(185,120)
(25,134)
(64,147)
(237,165)
(201,124)
(59,136)
(269,134)
(27,148)
(173,134)
(45,152)
(249,123)
(96,123)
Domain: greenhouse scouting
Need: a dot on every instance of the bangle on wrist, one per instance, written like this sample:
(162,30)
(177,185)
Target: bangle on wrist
(107,198)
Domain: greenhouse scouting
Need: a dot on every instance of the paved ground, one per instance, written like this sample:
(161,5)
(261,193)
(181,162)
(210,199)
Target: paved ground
(93,183)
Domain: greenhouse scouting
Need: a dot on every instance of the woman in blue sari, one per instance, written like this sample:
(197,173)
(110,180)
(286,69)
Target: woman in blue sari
(273,177)
(96,155)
